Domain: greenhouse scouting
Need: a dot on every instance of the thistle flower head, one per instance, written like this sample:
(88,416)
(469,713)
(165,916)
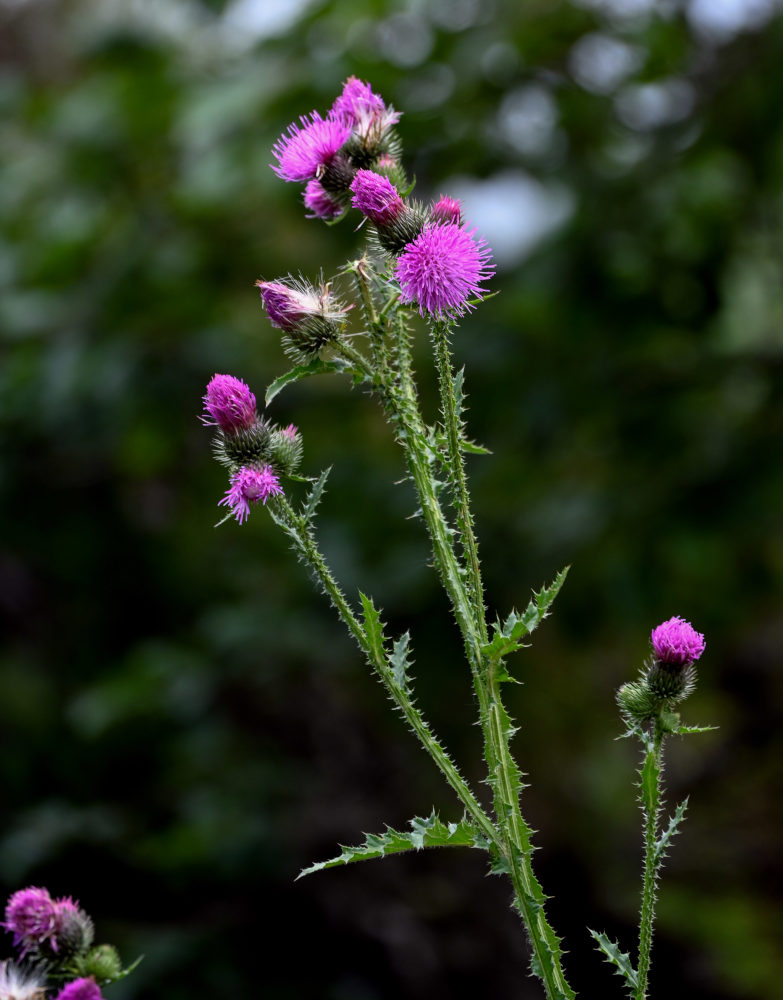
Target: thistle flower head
(356,101)
(320,203)
(229,404)
(304,152)
(16,984)
(75,929)
(676,642)
(31,915)
(81,989)
(446,210)
(376,197)
(442,269)
(249,486)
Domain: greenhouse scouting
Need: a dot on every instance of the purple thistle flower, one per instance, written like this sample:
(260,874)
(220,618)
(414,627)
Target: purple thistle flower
(31,915)
(676,641)
(80,989)
(230,404)
(320,202)
(442,269)
(446,209)
(376,197)
(304,152)
(249,486)
(288,307)
(357,100)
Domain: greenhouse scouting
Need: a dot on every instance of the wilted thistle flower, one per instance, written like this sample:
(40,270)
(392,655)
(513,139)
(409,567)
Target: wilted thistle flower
(442,269)
(320,202)
(249,486)
(305,153)
(75,930)
(310,318)
(31,915)
(80,989)
(676,642)
(230,405)
(446,209)
(16,984)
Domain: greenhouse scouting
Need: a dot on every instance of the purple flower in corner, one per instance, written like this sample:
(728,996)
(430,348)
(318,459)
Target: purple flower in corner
(356,101)
(304,152)
(676,642)
(31,915)
(376,197)
(249,486)
(230,405)
(442,269)
(80,989)
(320,202)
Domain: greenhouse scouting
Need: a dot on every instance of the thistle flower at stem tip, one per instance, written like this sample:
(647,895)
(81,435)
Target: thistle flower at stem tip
(229,404)
(249,486)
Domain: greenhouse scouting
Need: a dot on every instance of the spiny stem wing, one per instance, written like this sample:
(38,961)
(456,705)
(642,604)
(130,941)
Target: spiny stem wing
(620,960)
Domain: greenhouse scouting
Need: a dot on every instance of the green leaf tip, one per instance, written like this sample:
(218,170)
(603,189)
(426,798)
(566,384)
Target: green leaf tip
(620,960)
(429,832)
(508,636)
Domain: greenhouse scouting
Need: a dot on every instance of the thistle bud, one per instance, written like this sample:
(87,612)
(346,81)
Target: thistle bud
(285,449)
(309,318)
(446,210)
(103,962)
(389,166)
(377,198)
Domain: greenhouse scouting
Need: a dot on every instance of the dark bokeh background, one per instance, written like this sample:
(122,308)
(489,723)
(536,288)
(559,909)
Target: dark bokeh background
(184,725)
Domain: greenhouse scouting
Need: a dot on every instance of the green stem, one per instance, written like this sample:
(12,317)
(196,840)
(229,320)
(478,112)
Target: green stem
(299,531)
(516,848)
(651,802)
(459,486)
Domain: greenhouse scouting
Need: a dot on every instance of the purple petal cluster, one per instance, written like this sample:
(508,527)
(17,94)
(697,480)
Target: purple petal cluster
(32,916)
(442,269)
(356,102)
(303,153)
(320,202)
(676,642)
(80,989)
(249,486)
(376,197)
(229,404)
(288,307)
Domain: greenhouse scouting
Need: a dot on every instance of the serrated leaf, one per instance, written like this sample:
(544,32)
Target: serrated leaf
(508,636)
(315,367)
(665,838)
(471,448)
(684,730)
(619,959)
(429,832)
(315,494)
(373,627)
(399,661)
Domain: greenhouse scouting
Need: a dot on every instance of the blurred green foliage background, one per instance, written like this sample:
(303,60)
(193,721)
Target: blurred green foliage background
(184,725)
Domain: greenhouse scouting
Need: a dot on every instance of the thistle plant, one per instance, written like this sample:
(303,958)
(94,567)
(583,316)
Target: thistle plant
(57,957)
(424,259)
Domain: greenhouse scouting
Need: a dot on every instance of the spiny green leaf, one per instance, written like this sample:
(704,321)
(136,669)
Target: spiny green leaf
(400,662)
(665,838)
(429,832)
(508,636)
(373,627)
(315,494)
(684,730)
(314,367)
(620,960)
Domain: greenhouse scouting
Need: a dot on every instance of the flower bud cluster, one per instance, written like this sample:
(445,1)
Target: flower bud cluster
(55,941)
(669,675)
(254,451)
